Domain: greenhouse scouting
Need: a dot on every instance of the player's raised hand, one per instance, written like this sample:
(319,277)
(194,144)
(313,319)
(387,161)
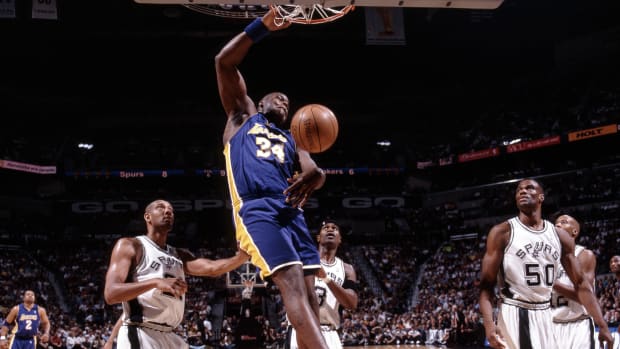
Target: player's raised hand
(274,21)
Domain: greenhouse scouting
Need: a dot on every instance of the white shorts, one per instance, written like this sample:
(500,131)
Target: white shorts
(331,337)
(134,337)
(535,325)
(576,334)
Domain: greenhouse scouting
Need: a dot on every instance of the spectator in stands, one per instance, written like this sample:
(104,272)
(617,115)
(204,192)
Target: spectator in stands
(614,266)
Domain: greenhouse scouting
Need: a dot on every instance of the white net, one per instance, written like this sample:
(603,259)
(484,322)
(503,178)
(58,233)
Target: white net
(309,14)
(230,11)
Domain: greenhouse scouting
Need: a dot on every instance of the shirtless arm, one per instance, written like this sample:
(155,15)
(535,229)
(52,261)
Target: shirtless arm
(12,315)
(347,297)
(587,261)
(231,85)
(311,178)
(584,289)
(45,324)
(491,262)
(209,267)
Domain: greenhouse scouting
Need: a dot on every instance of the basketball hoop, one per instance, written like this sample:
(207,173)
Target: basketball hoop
(246,276)
(230,11)
(246,293)
(309,14)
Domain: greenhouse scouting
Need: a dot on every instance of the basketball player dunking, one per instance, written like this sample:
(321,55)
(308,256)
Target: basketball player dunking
(267,193)
(336,287)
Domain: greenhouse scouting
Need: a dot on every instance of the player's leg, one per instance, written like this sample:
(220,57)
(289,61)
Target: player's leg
(290,282)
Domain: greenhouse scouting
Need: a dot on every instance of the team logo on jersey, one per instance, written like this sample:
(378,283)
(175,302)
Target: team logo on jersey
(169,262)
(259,129)
(538,248)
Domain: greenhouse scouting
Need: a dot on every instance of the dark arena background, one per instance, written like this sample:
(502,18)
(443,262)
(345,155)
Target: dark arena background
(108,105)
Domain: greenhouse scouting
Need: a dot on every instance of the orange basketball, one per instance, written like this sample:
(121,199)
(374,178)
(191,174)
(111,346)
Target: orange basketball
(314,128)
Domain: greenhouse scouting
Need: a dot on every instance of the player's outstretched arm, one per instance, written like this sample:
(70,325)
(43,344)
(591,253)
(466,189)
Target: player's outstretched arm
(231,85)
(213,268)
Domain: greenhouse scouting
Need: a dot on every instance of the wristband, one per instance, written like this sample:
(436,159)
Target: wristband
(256,30)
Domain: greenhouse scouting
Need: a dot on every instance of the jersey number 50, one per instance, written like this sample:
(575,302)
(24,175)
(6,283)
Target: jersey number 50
(535,274)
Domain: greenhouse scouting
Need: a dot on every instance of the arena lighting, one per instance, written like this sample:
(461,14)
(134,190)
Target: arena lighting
(516,140)
(385,143)
(86,146)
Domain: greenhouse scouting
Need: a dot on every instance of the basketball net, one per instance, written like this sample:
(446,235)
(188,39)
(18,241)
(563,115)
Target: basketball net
(302,14)
(309,14)
(246,293)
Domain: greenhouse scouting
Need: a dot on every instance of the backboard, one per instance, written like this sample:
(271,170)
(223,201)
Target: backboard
(239,277)
(463,4)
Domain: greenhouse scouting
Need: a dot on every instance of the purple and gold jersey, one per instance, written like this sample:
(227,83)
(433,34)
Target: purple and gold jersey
(260,158)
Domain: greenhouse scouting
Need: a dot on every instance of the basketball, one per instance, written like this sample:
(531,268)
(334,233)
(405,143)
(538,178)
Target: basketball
(314,128)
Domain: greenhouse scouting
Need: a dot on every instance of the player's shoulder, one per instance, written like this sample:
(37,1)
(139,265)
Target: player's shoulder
(586,252)
(128,240)
(501,228)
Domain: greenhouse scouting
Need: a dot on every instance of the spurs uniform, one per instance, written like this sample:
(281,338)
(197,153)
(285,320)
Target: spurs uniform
(531,261)
(573,327)
(149,319)
(259,159)
(329,313)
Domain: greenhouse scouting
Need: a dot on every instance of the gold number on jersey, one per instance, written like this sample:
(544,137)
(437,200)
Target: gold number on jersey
(266,149)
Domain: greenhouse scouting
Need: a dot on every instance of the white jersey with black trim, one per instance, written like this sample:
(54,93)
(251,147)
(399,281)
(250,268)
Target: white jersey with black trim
(153,307)
(531,261)
(328,304)
(564,309)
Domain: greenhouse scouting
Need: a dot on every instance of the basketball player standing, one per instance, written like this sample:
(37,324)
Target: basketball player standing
(336,286)
(28,316)
(572,325)
(148,276)
(529,250)
(266,192)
